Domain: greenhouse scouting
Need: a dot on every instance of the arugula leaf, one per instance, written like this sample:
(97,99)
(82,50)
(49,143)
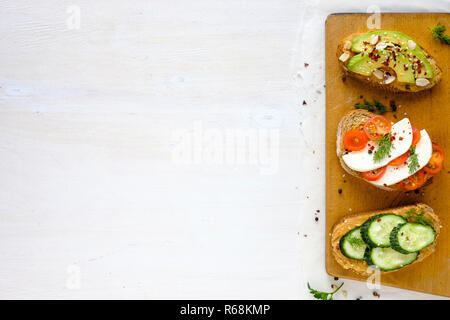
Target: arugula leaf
(438,33)
(323,295)
(413,160)
(376,106)
(384,148)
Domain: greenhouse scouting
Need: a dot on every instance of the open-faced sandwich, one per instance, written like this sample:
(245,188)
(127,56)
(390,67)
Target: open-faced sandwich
(391,156)
(389,59)
(387,240)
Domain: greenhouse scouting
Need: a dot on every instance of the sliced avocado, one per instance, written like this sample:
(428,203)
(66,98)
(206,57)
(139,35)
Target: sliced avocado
(362,42)
(426,70)
(397,37)
(364,65)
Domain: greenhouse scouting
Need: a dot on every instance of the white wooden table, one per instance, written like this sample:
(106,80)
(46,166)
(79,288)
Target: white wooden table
(98,99)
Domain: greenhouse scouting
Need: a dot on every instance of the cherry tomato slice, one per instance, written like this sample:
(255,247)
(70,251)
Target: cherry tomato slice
(433,168)
(399,160)
(413,182)
(374,175)
(376,127)
(355,140)
(416,136)
(436,162)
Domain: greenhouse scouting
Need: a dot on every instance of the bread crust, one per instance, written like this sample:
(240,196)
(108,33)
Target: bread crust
(395,86)
(350,222)
(356,119)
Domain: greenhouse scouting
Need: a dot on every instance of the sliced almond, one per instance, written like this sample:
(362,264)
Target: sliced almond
(374,39)
(378,73)
(411,44)
(344,57)
(422,82)
(381,45)
(347,45)
(388,78)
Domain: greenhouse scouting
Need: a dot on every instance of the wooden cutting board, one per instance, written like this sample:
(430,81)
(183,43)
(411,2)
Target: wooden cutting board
(429,110)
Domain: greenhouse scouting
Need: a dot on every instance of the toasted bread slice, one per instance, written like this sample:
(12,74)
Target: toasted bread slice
(394,86)
(349,222)
(355,119)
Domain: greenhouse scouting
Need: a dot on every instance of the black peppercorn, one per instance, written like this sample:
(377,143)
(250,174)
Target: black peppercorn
(393,106)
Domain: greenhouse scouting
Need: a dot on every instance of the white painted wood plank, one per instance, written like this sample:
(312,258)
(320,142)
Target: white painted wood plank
(92,203)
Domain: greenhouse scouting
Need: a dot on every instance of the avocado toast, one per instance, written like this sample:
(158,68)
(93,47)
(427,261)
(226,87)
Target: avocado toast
(390,60)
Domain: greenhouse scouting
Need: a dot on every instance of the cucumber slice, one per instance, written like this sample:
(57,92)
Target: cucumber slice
(387,259)
(352,245)
(376,230)
(411,237)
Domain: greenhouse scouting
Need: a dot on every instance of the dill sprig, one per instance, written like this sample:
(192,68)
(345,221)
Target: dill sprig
(413,160)
(357,242)
(384,148)
(410,213)
(323,295)
(376,106)
(438,33)
(418,218)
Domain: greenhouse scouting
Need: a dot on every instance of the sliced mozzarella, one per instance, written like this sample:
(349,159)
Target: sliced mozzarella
(393,175)
(363,160)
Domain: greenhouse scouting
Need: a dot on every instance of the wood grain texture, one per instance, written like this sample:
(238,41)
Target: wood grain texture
(428,110)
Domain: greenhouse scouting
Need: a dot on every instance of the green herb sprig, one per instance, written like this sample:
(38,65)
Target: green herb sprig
(420,219)
(438,33)
(356,241)
(384,148)
(376,106)
(323,295)
(413,160)
(411,214)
